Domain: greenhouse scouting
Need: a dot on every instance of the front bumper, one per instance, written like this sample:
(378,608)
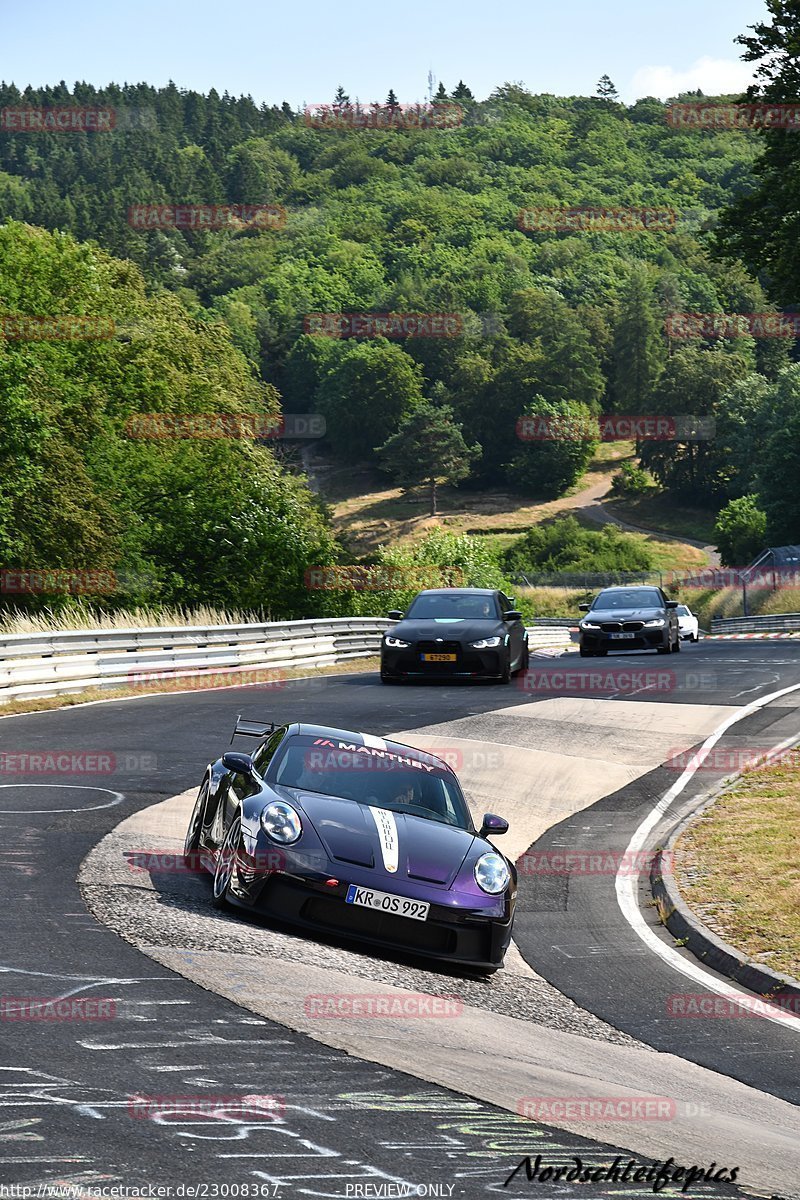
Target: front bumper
(467,663)
(639,639)
(453,935)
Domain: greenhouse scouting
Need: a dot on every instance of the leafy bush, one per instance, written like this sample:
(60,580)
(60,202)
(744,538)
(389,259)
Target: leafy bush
(631,480)
(564,545)
(740,531)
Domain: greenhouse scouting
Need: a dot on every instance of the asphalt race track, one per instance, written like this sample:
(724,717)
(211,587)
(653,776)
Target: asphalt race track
(68,1088)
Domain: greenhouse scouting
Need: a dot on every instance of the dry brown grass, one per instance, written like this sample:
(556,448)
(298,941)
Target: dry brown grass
(737,866)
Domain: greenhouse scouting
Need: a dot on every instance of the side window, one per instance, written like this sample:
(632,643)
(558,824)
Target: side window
(264,753)
(504,602)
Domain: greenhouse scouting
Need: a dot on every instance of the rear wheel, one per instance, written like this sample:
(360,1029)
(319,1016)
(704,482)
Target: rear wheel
(226,864)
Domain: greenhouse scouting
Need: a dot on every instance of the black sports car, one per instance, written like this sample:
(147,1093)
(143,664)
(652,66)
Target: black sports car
(354,835)
(473,633)
(629,618)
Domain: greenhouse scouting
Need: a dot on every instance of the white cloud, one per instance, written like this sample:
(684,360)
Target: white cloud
(714,77)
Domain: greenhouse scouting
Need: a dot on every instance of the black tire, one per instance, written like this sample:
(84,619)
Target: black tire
(525,660)
(584,653)
(192,842)
(506,675)
(601,653)
(664,649)
(676,649)
(388,679)
(226,864)
(695,637)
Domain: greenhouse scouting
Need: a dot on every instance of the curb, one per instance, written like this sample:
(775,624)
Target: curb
(683,924)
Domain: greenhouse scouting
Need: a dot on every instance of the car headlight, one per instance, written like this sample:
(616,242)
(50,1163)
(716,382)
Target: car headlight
(395,643)
(658,623)
(280,822)
(491,873)
(590,624)
(486,643)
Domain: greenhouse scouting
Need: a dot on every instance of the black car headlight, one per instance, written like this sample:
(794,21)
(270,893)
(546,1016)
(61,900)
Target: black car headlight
(281,822)
(486,643)
(395,643)
(491,873)
(590,624)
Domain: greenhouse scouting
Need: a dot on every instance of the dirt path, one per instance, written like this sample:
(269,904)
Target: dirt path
(594,510)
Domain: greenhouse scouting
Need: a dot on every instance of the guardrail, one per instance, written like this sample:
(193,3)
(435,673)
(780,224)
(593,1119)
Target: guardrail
(35,664)
(777,623)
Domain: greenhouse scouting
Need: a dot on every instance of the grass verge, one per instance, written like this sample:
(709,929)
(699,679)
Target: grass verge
(737,866)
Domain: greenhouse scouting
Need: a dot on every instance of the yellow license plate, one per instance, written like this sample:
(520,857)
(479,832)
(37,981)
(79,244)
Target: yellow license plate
(439,658)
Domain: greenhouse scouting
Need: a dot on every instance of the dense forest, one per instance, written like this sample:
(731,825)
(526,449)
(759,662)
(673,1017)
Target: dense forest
(515,316)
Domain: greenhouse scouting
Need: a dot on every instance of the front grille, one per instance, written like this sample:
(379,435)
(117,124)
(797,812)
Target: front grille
(633,626)
(439,647)
(611,627)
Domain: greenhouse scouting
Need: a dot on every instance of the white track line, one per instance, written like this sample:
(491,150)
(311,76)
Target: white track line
(626,884)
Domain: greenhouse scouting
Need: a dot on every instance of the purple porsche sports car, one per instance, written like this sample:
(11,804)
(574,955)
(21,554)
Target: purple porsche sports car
(356,836)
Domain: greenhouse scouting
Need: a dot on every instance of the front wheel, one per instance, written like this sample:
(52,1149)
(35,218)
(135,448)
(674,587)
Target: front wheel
(695,637)
(192,843)
(226,864)
(525,660)
(506,675)
(676,649)
(584,653)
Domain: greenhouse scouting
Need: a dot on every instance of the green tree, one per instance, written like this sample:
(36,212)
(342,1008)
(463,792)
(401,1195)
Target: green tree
(557,442)
(428,447)
(606,89)
(639,352)
(365,395)
(740,531)
(779,461)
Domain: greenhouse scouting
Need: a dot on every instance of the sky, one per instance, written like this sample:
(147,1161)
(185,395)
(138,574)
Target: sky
(301,52)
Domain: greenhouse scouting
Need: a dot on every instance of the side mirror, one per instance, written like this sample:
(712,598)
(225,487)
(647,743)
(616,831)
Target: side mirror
(512,615)
(672,604)
(395,615)
(493,825)
(242,764)
(583,607)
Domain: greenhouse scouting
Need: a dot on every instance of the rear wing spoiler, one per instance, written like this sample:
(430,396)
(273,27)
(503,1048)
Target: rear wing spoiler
(256,729)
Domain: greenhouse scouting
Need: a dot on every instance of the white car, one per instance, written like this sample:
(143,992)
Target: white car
(688,624)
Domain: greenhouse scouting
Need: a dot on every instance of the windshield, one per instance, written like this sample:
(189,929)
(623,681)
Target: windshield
(443,607)
(683,611)
(379,778)
(630,598)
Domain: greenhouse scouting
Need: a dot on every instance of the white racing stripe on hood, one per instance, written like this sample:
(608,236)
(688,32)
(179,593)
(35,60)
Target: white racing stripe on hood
(387,835)
(374,743)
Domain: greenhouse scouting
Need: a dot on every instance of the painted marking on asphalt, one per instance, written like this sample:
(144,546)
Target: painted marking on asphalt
(626,884)
(117,798)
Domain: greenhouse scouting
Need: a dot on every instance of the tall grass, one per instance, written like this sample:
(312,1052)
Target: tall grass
(82,617)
